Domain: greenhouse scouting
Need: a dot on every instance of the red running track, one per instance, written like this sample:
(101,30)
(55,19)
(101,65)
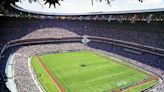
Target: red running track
(54,79)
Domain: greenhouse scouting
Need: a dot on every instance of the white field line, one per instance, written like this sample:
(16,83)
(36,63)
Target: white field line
(56,85)
(35,81)
(53,82)
(63,81)
(101,77)
(116,59)
(56,77)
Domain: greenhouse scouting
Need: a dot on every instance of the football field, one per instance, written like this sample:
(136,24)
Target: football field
(86,71)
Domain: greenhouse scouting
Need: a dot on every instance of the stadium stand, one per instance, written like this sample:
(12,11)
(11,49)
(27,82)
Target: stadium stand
(29,34)
(27,31)
(37,49)
(22,29)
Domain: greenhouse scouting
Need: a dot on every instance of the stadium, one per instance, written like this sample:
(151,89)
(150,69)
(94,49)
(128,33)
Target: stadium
(88,51)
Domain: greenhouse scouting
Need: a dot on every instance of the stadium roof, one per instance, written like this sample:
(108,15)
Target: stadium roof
(91,13)
(85,7)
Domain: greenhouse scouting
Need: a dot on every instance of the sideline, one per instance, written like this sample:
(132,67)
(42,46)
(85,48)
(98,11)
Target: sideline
(54,79)
(34,77)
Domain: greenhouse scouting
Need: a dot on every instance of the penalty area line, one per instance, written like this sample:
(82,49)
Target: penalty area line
(54,79)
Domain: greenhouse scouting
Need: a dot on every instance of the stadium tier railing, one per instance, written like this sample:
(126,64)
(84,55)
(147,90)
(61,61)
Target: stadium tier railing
(135,46)
(144,48)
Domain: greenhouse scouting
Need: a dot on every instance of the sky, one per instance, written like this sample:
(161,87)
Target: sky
(85,6)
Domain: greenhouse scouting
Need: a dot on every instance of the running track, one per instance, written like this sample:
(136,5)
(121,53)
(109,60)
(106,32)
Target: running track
(54,79)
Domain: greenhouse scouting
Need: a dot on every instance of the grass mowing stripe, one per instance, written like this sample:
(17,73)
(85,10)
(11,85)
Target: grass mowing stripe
(60,79)
(51,75)
(43,77)
(120,62)
(142,87)
(88,72)
(92,59)
(107,76)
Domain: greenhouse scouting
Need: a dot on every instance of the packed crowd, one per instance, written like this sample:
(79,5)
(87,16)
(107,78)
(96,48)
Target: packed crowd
(141,33)
(22,75)
(23,81)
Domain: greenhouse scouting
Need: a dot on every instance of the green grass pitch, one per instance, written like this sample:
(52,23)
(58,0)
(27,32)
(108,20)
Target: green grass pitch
(85,71)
